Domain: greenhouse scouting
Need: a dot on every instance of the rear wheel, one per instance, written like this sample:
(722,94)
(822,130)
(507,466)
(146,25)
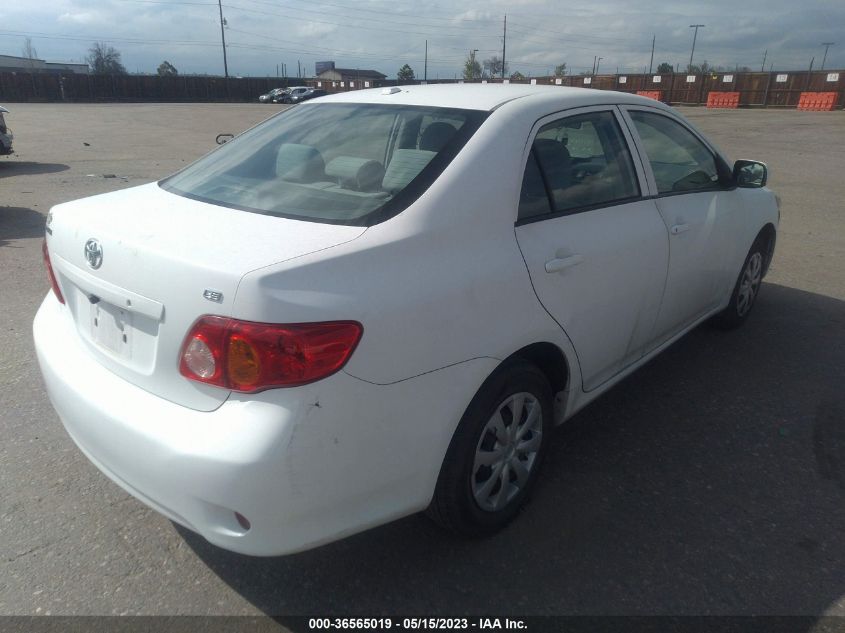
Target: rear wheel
(746,289)
(496,452)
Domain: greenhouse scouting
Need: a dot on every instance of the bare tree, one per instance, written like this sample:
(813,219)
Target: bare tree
(28,51)
(166,69)
(493,67)
(105,60)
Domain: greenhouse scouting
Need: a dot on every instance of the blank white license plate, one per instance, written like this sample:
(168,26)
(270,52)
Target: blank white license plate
(111,328)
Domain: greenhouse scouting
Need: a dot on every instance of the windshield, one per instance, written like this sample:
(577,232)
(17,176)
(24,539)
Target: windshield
(338,163)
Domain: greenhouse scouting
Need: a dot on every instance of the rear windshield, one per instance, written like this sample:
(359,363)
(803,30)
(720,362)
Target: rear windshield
(338,163)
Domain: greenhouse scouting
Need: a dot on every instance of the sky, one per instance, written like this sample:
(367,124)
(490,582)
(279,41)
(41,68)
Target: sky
(262,35)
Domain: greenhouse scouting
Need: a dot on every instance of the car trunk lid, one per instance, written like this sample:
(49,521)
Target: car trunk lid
(137,267)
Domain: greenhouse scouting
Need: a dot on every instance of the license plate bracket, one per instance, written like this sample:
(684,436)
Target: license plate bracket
(111,328)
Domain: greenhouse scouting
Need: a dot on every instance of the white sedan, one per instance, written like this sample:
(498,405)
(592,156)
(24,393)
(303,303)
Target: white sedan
(380,302)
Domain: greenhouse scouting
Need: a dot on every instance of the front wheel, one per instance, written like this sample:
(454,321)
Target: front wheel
(745,291)
(496,452)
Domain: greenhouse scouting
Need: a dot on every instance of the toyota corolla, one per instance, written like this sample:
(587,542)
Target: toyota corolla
(381,302)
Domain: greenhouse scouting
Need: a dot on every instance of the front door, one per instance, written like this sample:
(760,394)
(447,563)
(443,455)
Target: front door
(700,215)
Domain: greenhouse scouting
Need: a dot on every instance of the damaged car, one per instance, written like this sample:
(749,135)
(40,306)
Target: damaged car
(381,302)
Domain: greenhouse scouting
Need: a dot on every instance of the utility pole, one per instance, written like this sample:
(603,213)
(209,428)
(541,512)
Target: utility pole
(425,72)
(472,57)
(223,37)
(651,63)
(763,67)
(826,45)
(593,72)
(810,74)
(504,42)
(598,62)
(694,37)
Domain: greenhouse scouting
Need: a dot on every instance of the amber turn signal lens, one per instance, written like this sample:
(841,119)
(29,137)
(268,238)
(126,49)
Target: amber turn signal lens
(242,364)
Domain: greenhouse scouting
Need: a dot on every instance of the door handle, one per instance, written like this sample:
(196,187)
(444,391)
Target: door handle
(679,228)
(556,265)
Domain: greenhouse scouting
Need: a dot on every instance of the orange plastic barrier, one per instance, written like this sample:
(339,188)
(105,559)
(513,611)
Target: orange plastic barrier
(651,94)
(723,100)
(818,101)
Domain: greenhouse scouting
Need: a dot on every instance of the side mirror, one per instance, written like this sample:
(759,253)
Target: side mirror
(750,174)
(224,138)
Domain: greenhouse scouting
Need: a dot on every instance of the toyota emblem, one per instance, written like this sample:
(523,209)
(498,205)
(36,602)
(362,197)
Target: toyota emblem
(94,253)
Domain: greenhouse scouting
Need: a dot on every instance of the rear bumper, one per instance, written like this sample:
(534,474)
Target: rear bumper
(305,466)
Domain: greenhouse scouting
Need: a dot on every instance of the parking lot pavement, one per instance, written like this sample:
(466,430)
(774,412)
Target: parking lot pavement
(712,481)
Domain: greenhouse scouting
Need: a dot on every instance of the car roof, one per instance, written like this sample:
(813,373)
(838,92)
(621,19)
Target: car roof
(487,96)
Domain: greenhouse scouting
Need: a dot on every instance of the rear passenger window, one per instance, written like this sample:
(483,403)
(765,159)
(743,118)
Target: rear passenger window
(680,162)
(582,161)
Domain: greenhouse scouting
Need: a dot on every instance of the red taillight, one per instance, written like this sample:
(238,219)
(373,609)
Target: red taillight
(250,357)
(50,274)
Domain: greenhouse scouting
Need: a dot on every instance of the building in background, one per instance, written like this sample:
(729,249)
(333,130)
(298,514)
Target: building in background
(321,67)
(351,77)
(14,64)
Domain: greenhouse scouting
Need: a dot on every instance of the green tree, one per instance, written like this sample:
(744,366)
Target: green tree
(166,69)
(472,69)
(560,70)
(518,76)
(665,67)
(406,73)
(105,60)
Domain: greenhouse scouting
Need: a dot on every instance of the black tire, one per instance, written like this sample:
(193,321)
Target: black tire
(748,281)
(461,483)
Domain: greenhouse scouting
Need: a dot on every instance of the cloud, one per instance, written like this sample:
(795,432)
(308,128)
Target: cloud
(83,17)
(315,29)
(384,34)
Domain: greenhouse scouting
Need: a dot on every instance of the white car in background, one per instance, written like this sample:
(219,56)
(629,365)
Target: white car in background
(382,301)
(6,137)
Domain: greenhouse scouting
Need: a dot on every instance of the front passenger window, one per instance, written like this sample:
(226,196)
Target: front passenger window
(680,162)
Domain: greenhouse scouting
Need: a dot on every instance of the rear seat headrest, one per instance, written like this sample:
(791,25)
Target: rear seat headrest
(436,135)
(358,174)
(299,163)
(404,166)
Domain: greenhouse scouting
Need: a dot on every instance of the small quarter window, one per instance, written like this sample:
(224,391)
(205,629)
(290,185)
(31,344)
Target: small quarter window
(533,200)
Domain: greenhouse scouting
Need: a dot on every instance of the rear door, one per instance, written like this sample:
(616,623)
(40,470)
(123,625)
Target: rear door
(596,247)
(700,214)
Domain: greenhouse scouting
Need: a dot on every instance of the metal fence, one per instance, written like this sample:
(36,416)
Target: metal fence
(766,89)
